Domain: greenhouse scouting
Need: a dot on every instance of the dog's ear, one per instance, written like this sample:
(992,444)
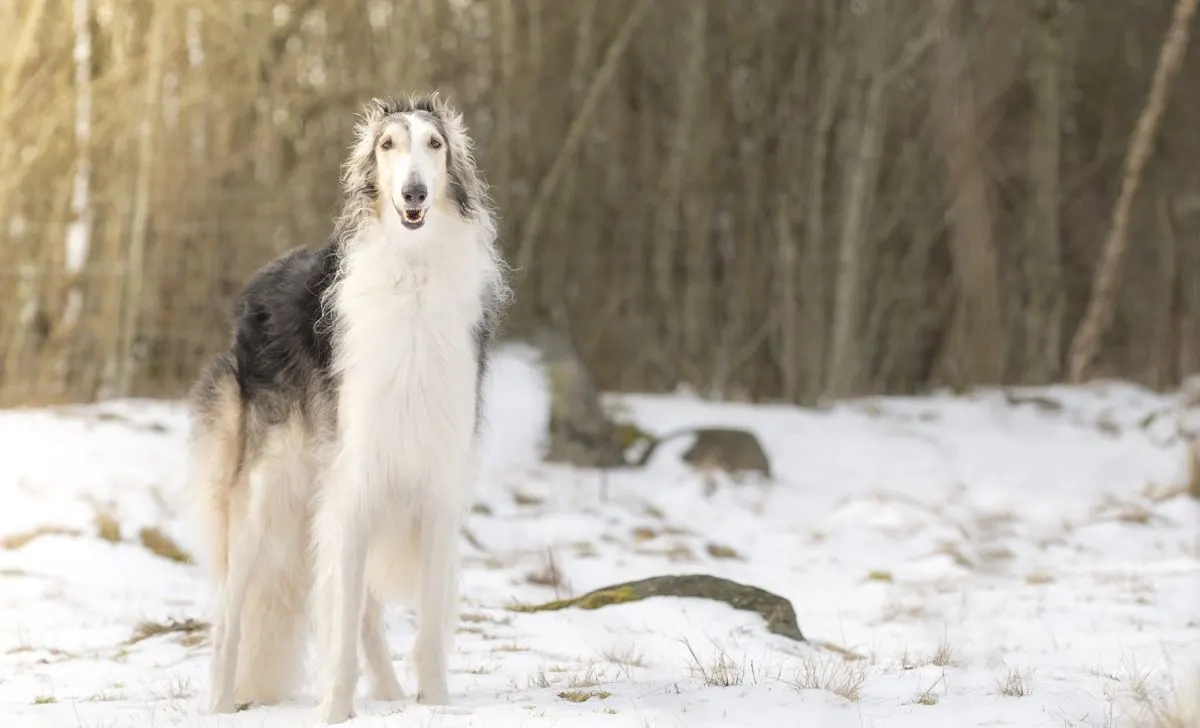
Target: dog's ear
(359,168)
(376,109)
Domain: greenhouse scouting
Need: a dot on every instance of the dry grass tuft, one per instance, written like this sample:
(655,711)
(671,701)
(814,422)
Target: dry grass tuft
(926,697)
(1039,577)
(470,537)
(550,575)
(880,575)
(147,629)
(720,551)
(508,647)
(1014,684)
(1135,514)
(642,534)
(896,610)
(833,674)
(720,671)
(160,544)
(44,700)
(480,617)
(178,688)
(625,656)
(1112,508)
(1178,707)
(844,652)
(107,527)
(943,656)
(24,538)
(540,679)
(582,696)
(956,554)
(105,696)
(1157,493)
(590,678)
(526,499)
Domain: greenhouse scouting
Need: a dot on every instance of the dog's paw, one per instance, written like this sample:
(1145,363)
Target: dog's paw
(220,704)
(434,695)
(333,714)
(388,690)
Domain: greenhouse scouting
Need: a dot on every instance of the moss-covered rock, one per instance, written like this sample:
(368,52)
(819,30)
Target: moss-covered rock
(628,434)
(728,449)
(778,612)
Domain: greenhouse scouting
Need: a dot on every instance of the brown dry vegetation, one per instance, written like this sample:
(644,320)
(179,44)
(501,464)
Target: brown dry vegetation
(774,199)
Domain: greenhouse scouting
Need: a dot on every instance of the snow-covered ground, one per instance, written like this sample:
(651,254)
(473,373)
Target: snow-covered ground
(989,563)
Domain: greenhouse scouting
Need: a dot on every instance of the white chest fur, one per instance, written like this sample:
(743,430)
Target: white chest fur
(408,304)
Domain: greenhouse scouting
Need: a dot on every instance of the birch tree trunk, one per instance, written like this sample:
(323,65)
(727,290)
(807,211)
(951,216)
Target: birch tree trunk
(1086,344)
(78,242)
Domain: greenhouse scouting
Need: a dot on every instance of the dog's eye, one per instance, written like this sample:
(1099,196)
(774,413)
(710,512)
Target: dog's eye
(435,143)
(386,144)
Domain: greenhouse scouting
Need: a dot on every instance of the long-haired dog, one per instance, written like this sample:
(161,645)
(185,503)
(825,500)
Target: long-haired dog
(335,442)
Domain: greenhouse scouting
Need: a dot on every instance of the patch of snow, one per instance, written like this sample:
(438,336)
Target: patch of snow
(964,547)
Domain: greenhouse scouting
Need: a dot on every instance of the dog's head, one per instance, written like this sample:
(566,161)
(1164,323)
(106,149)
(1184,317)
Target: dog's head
(413,158)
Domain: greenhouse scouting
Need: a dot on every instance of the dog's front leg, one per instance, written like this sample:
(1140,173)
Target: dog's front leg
(438,604)
(375,649)
(341,540)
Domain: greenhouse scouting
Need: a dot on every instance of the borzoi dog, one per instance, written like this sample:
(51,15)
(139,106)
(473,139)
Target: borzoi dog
(335,441)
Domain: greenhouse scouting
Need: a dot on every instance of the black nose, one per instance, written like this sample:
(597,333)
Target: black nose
(414,193)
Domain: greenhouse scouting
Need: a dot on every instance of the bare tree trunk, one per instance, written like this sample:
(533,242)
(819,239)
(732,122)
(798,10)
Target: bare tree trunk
(789,312)
(832,69)
(975,350)
(666,237)
(1043,255)
(132,300)
(846,370)
(23,296)
(549,183)
(506,110)
(1103,301)
(123,31)
(699,288)
(1168,337)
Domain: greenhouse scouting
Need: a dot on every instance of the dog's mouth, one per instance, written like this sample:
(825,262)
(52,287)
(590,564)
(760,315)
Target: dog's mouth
(412,218)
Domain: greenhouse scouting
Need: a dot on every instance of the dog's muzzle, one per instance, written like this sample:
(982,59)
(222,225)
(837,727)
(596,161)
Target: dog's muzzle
(412,218)
(413,214)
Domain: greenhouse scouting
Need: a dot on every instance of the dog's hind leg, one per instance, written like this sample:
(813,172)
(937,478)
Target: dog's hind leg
(385,685)
(216,482)
(221,695)
(275,606)
(246,542)
(272,655)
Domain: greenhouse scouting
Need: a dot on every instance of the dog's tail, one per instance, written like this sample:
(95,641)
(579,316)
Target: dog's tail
(218,426)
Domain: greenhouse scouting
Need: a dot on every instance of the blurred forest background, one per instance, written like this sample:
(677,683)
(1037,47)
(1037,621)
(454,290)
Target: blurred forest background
(765,199)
